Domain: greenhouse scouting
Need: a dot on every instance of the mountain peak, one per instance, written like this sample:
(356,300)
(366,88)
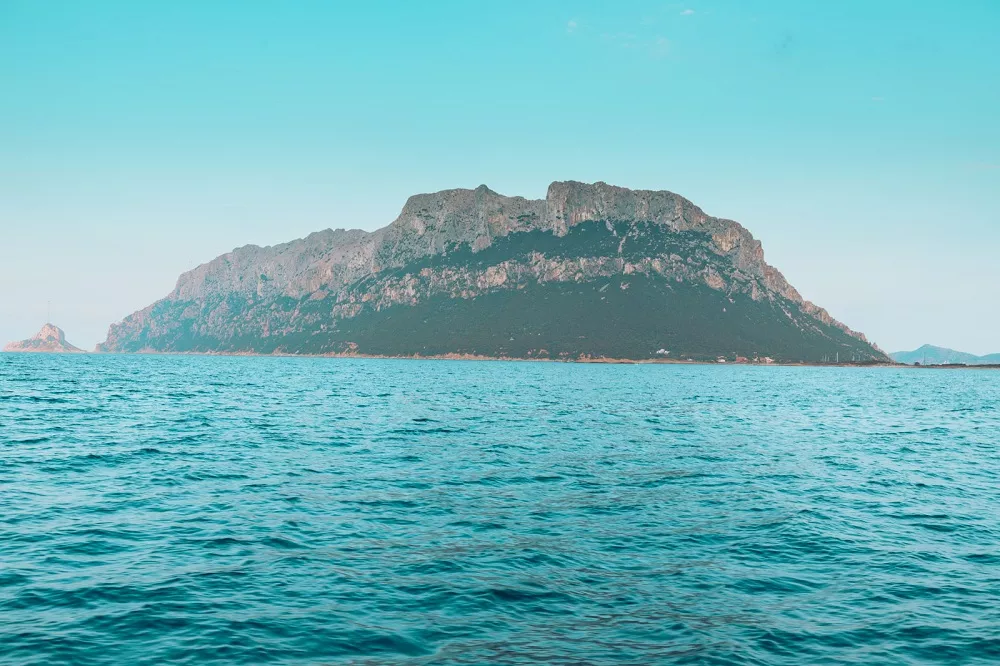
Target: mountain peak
(50,332)
(50,339)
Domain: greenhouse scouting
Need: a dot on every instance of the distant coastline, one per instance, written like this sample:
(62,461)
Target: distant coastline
(474,357)
(943,356)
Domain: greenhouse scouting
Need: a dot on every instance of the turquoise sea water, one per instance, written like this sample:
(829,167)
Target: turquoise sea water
(193,510)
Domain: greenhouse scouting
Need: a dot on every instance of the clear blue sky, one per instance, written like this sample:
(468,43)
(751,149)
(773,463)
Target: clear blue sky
(858,139)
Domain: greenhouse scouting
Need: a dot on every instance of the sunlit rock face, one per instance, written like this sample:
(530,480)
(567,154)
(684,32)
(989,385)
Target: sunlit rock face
(592,271)
(51,339)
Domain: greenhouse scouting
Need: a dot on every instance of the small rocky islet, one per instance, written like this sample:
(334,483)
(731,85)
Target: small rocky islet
(50,340)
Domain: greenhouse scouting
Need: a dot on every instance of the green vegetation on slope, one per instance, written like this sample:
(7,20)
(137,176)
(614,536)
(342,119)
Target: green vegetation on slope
(627,316)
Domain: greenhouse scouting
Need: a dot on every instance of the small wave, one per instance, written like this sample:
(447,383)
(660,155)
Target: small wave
(30,440)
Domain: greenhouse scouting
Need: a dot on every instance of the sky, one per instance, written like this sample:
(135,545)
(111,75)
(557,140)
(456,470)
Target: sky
(858,140)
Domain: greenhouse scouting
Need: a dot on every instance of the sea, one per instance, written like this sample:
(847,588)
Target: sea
(241,510)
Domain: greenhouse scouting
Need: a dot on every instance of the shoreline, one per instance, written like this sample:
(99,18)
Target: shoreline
(599,360)
(474,357)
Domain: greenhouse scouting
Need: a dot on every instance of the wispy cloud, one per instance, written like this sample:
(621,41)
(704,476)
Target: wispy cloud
(626,40)
(641,36)
(660,48)
(687,12)
(656,47)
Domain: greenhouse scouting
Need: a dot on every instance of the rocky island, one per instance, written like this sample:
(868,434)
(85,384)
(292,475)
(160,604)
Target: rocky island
(50,340)
(590,272)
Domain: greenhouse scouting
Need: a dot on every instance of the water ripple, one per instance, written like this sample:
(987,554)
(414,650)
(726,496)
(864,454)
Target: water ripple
(307,511)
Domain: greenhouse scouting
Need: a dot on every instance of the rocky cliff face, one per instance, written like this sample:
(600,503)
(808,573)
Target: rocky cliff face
(591,270)
(51,339)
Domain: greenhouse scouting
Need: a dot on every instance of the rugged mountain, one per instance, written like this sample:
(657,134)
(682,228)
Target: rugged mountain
(931,355)
(51,339)
(590,271)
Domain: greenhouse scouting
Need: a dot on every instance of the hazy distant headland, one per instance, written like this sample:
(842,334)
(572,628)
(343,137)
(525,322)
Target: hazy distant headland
(931,355)
(591,271)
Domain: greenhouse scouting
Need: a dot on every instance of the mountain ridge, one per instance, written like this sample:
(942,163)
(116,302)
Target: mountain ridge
(590,233)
